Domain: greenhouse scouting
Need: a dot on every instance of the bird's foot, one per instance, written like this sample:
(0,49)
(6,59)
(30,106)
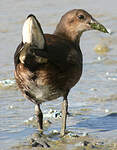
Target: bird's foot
(39,140)
(62,134)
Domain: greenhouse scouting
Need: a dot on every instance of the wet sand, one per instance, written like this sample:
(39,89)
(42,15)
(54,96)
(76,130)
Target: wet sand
(92,102)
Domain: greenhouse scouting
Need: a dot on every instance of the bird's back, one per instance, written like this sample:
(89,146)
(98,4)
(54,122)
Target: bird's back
(49,73)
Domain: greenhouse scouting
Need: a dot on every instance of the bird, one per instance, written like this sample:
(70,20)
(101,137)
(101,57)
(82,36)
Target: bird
(47,66)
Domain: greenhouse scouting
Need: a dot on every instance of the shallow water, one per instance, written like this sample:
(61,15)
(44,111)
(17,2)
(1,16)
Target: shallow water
(92,102)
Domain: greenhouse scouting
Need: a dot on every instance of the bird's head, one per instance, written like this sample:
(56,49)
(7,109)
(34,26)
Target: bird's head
(75,22)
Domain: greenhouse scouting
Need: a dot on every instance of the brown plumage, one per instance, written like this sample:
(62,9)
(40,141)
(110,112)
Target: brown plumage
(47,66)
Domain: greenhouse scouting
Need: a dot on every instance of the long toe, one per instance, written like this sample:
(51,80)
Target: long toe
(39,140)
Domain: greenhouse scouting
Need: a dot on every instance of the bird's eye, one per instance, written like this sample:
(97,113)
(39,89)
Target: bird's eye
(81,17)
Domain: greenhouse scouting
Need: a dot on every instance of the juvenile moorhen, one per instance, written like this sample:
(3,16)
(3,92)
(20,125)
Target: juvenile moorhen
(47,66)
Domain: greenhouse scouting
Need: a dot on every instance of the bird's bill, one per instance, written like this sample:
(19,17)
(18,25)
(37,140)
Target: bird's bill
(95,25)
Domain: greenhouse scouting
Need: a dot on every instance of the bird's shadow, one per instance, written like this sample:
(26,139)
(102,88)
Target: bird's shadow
(103,124)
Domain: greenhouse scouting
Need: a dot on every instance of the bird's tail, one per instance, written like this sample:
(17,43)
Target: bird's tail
(32,32)
(33,43)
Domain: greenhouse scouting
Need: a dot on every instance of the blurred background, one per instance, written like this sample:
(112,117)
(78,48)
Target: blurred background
(94,97)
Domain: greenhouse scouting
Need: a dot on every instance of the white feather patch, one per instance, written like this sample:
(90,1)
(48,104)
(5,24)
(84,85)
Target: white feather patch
(32,33)
(26,32)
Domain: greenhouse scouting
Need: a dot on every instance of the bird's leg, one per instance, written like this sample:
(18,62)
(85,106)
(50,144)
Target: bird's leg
(39,140)
(64,115)
(39,115)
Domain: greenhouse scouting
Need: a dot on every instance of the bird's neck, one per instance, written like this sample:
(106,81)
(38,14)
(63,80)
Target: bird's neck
(69,37)
(77,41)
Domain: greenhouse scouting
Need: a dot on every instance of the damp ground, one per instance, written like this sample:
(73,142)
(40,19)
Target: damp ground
(92,120)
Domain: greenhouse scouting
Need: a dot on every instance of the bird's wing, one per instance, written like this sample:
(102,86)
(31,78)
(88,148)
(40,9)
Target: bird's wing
(60,51)
(57,51)
(38,48)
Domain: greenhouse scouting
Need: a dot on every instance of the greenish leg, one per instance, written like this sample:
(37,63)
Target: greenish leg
(64,115)
(39,115)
